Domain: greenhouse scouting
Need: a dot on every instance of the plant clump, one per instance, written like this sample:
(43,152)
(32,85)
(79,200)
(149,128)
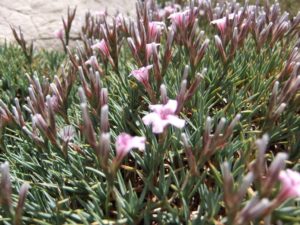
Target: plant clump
(184,114)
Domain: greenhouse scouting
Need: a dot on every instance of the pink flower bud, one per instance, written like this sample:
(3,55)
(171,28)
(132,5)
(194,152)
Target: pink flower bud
(104,119)
(119,20)
(103,96)
(21,202)
(221,24)
(102,46)
(5,185)
(154,30)
(180,20)
(40,122)
(149,49)
(163,94)
(220,47)
(142,75)
(290,185)
(59,33)
(92,61)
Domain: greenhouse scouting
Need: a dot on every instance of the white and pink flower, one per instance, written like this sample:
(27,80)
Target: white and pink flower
(163,115)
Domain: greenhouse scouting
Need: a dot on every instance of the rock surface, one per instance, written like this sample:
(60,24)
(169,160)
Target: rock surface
(40,18)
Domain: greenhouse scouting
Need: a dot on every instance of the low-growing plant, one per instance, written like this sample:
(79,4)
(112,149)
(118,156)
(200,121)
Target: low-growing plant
(208,94)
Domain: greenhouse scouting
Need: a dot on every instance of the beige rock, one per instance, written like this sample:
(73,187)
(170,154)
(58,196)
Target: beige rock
(40,18)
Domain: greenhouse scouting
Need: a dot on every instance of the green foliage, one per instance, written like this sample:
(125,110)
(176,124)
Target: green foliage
(13,69)
(156,186)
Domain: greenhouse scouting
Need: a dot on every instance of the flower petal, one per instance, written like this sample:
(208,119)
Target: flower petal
(171,106)
(158,126)
(175,121)
(138,142)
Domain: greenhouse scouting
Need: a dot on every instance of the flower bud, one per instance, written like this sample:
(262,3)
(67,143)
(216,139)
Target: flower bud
(21,202)
(88,126)
(104,148)
(5,185)
(104,96)
(279,110)
(163,94)
(207,130)
(104,119)
(231,126)
(277,165)
(220,48)
(81,95)
(255,211)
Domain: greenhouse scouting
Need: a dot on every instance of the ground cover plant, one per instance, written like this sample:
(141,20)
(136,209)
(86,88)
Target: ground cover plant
(184,114)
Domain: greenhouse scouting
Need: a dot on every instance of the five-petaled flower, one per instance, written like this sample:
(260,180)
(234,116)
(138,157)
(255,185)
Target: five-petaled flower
(126,142)
(163,115)
(290,185)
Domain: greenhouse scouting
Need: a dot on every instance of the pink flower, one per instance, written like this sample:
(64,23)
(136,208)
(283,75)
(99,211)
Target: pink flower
(163,115)
(59,33)
(183,19)
(178,19)
(142,75)
(102,47)
(92,61)
(290,184)
(221,24)
(119,20)
(154,30)
(126,142)
(149,49)
(169,9)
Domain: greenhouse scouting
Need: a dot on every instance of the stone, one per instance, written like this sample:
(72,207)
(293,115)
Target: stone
(39,19)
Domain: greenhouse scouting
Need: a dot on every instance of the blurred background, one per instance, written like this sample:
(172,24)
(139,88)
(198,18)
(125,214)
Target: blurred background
(293,6)
(40,18)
